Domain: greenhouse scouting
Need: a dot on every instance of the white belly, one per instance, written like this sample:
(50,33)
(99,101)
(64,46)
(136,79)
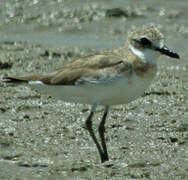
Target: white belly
(122,91)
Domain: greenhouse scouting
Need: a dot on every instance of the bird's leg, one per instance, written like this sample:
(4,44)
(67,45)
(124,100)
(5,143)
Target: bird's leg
(91,132)
(101,130)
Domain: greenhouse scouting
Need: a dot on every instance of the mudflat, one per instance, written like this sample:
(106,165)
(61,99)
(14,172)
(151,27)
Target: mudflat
(45,138)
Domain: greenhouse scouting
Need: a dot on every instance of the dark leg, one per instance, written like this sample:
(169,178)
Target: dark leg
(90,129)
(101,134)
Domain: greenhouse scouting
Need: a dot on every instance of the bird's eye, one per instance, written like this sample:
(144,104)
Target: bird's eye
(145,42)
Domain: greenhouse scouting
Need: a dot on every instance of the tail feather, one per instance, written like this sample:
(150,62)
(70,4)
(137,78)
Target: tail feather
(15,79)
(9,79)
(25,79)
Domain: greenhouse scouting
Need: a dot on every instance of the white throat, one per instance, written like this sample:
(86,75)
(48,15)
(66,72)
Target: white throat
(147,55)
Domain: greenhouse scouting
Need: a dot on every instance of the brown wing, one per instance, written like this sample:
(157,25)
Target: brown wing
(90,66)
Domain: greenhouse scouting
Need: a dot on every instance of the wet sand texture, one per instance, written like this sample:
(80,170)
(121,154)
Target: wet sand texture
(44,138)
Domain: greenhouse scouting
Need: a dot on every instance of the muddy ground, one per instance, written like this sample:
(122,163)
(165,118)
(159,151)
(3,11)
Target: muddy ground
(44,138)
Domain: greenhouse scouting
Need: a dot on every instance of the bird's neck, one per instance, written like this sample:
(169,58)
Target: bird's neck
(148,56)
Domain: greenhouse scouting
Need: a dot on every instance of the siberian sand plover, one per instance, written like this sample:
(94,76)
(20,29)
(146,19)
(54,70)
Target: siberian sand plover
(110,78)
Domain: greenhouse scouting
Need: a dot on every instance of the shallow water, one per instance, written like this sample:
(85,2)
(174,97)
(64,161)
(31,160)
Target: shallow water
(90,34)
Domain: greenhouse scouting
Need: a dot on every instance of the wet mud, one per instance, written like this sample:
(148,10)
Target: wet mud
(45,138)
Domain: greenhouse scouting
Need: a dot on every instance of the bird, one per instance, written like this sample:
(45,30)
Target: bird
(108,78)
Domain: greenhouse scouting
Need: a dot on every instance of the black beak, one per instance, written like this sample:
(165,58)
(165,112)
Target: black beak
(168,52)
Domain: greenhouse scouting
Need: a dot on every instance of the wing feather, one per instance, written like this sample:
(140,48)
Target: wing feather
(90,67)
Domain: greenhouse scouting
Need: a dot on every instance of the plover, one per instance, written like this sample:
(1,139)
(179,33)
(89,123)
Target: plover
(110,78)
